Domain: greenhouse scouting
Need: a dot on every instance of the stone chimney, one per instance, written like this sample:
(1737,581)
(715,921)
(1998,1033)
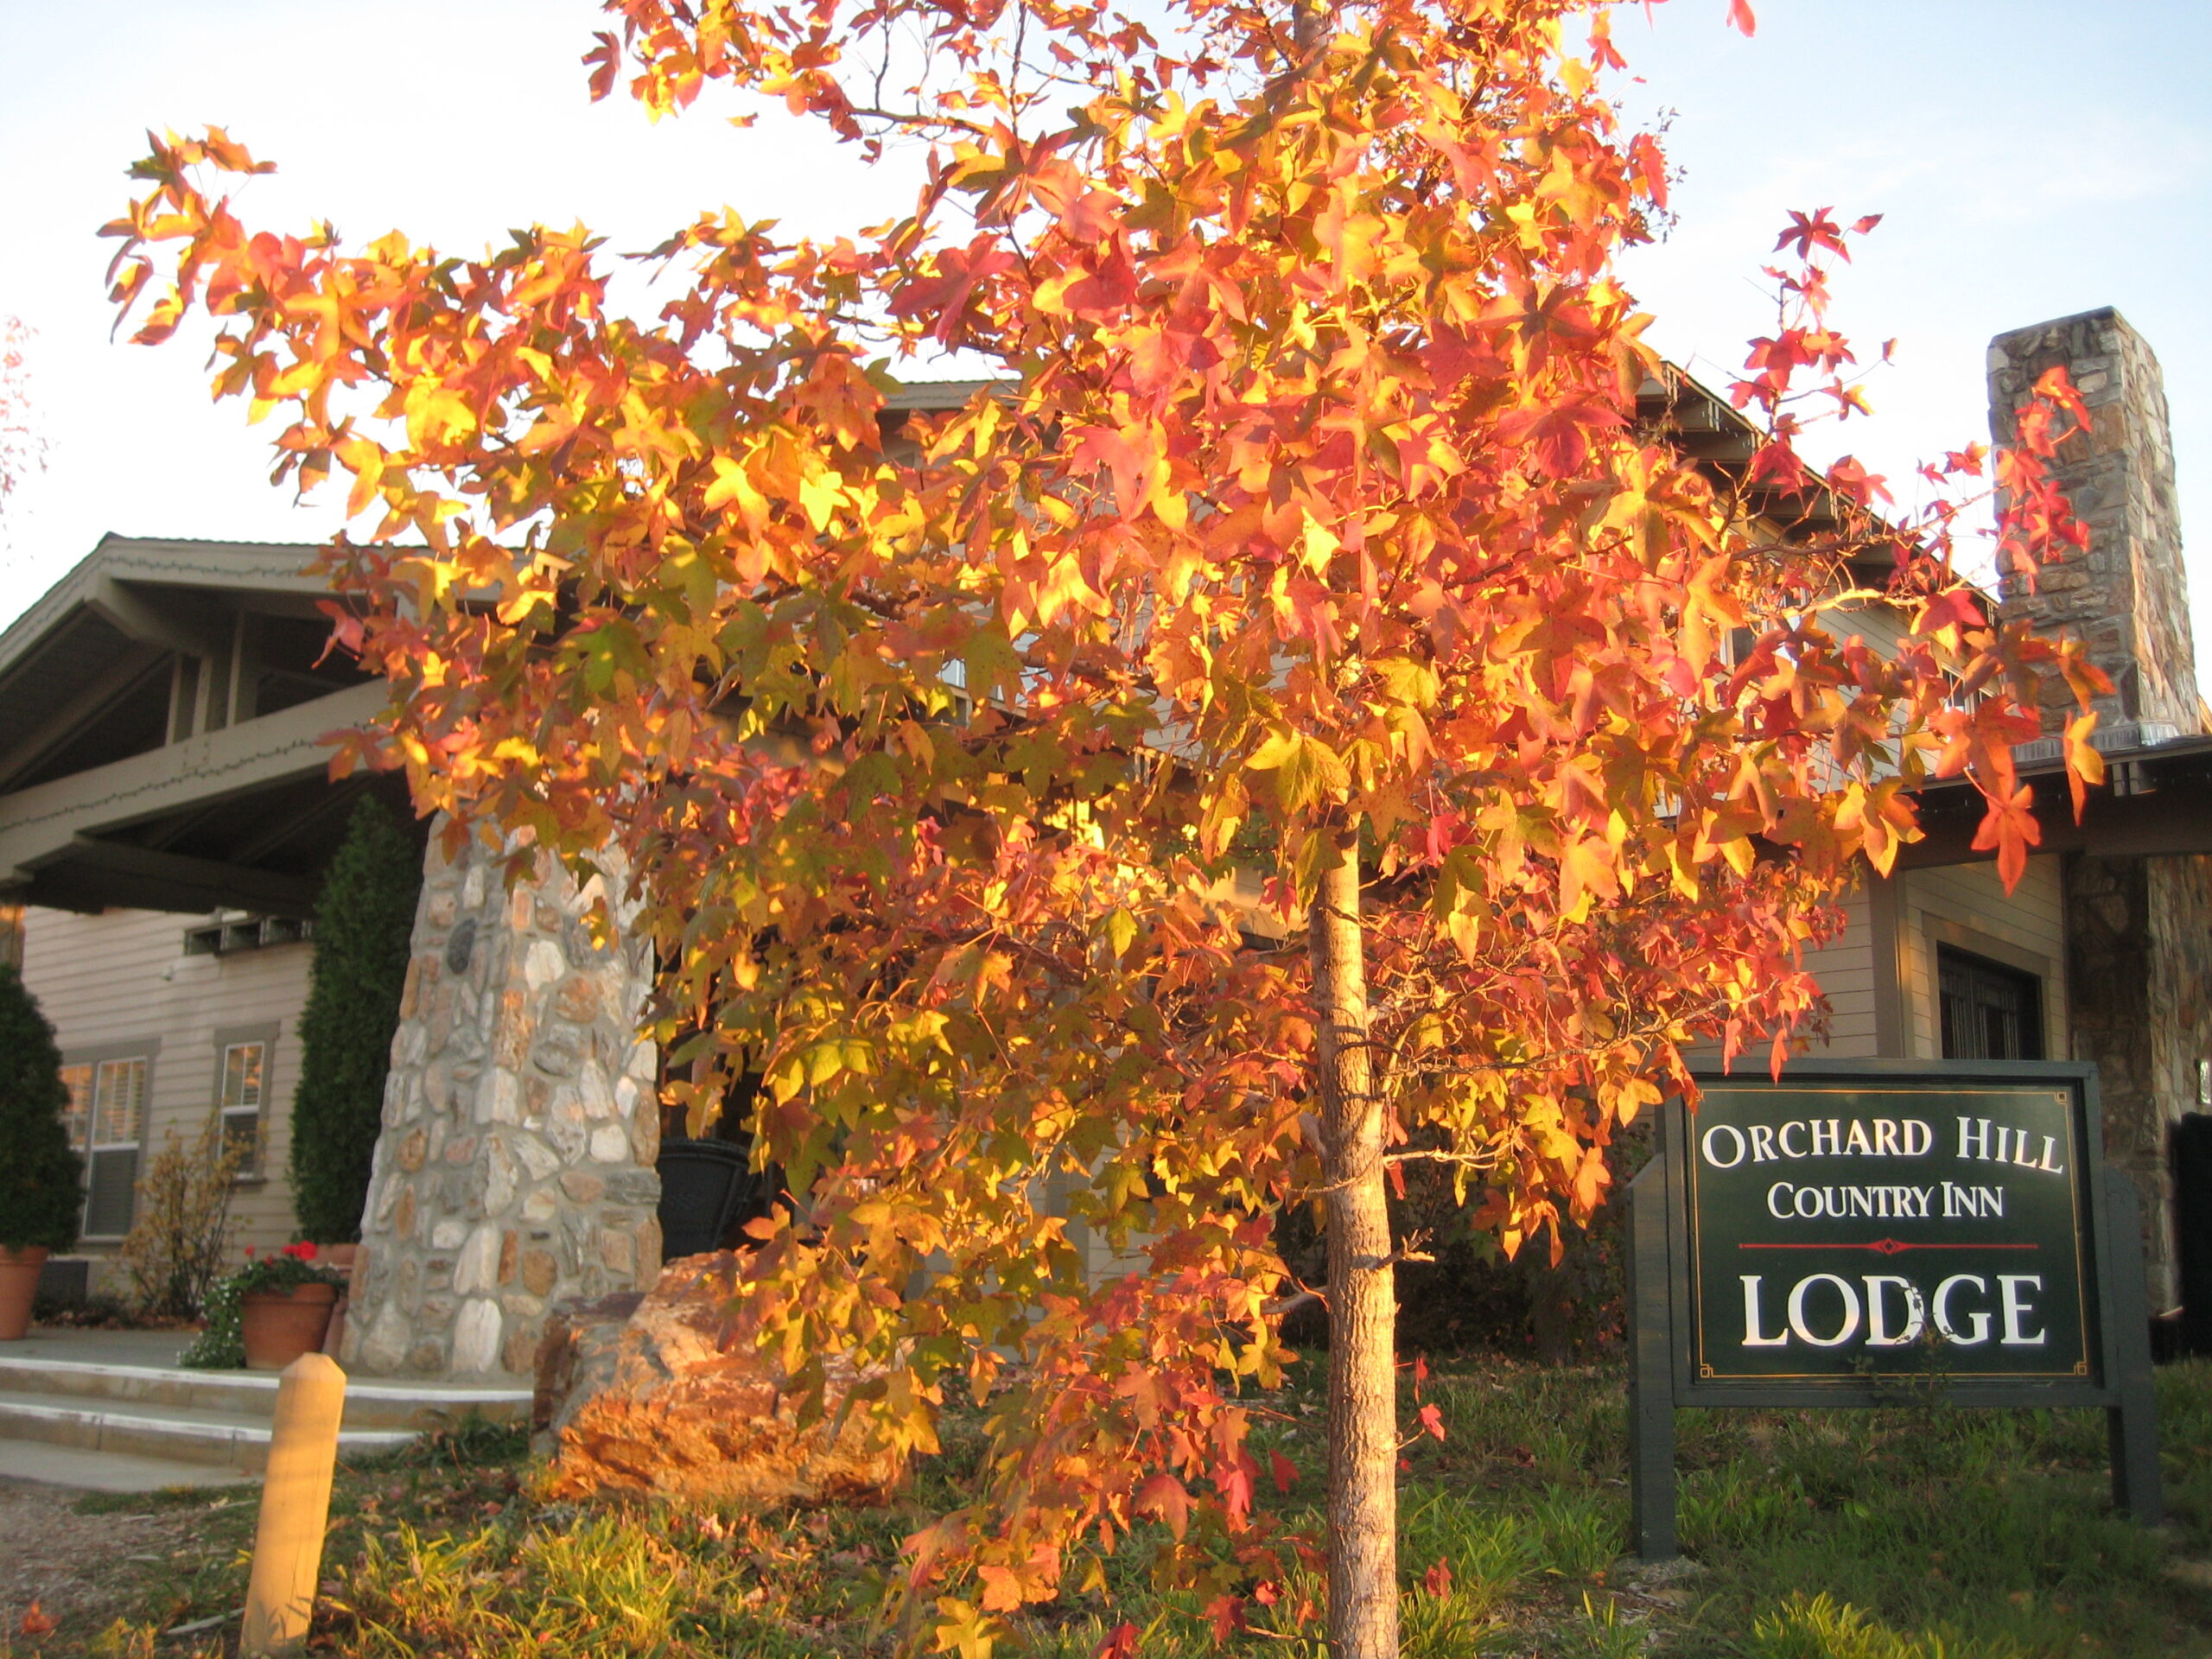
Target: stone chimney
(2127,597)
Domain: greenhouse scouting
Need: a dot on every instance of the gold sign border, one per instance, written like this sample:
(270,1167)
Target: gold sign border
(2070,1102)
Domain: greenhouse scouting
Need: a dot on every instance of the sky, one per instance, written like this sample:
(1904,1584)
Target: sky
(2030,158)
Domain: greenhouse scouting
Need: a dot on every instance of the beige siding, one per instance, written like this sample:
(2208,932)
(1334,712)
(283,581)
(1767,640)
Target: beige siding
(1966,906)
(1880,623)
(1844,967)
(121,980)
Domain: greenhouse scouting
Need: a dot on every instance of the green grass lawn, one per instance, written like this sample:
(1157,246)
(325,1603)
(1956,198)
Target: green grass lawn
(1899,1534)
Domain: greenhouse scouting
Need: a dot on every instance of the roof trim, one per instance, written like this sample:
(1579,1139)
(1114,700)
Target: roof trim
(275,568)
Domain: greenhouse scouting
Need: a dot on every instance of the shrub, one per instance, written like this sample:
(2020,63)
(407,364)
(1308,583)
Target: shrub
(1468,1296)
(41,1180)
(363,924)
(173,1252)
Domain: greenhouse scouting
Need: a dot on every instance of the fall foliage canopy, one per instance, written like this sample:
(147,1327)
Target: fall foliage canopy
(1305,511)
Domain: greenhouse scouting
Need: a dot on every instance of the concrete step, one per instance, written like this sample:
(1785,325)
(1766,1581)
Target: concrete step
(47,1465)
(249,1396)
(173,1433)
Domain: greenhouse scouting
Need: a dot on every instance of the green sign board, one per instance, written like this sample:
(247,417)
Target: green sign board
(1814,1240)
(1846,1227)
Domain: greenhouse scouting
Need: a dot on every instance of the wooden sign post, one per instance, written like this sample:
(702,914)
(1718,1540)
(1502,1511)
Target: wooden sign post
(294,1508)
(1858,1225)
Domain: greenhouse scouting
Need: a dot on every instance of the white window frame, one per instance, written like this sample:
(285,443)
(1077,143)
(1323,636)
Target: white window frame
(100,1149)
(228,1042)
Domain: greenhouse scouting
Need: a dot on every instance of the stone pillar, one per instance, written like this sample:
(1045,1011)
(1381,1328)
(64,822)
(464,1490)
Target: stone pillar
(515,1166)
(2140,995)
(2139,952)
(2127,596)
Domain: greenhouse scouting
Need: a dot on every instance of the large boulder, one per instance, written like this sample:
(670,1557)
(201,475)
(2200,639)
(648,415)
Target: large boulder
(637,1393)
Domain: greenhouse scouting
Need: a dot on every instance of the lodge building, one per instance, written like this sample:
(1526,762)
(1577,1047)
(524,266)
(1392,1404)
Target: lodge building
(166,814)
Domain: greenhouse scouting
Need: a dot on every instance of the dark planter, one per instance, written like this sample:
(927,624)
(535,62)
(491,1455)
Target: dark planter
(339,1258)
(702,1184)
(277,1327)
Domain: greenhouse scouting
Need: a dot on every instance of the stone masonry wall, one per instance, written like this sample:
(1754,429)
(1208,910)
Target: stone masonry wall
(2139,990)
(2127,597)
(515,1166)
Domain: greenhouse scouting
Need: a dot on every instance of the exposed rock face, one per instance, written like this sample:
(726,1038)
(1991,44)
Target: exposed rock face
(515,1166)
(636,1393)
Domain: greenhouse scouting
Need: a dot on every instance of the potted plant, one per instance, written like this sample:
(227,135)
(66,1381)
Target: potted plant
(41,1180)
(269,1313)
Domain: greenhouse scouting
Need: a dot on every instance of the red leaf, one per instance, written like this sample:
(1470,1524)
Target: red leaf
(1849,479)
(1810,231)
(1437,1580)
(1740,17)
(1950,614)
(1284,1471)
(1121,1642)
(606,58)
(1557,434)
(1432,1420)
(1227,1613)
(36,1621)
(1234,1481)
(1123,455)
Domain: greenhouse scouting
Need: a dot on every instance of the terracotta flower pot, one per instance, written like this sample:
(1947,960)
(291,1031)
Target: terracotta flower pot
(279,1326)
(19,1271)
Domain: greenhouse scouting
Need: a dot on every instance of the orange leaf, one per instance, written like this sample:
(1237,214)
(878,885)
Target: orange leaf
(2009,828)
(1165,1497)
(2084,764)
(36,1621)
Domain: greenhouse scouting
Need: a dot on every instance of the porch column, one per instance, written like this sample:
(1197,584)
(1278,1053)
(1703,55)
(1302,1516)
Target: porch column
(515,1165)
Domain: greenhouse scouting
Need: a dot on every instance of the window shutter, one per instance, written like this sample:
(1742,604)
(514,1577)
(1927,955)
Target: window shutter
(112,1198)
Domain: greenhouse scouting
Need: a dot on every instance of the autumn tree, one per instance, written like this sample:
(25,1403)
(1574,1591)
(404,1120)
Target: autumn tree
(1308,523)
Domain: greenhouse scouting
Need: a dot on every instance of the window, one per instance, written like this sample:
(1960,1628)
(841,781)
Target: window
(244,1069)
(77,1115)
(1990,1012)
(116,1116)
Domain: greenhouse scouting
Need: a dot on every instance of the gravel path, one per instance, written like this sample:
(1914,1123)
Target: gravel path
(67,1562)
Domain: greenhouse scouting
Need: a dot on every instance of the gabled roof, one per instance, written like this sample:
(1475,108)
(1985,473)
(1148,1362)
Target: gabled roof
(161,712)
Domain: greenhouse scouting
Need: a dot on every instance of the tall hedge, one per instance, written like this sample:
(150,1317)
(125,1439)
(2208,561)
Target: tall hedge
(41,1180)
(363,922)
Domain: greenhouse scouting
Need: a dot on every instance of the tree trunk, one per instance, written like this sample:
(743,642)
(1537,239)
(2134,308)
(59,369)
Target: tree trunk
(1362,1482)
